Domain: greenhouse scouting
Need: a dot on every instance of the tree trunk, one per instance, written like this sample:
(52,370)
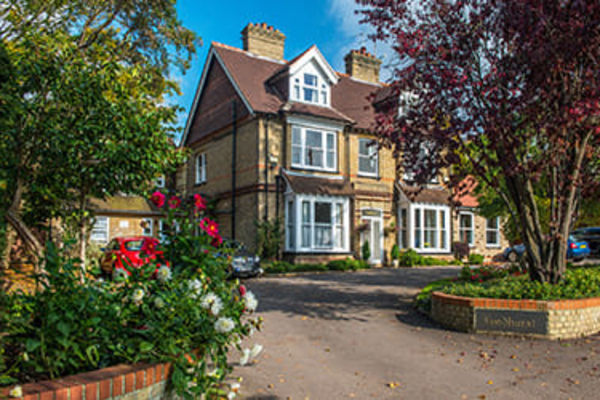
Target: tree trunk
(82,248)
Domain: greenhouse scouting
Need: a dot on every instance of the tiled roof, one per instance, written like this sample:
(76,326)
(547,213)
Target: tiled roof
(251,74)
(322,186)
(123,205)
(426,195)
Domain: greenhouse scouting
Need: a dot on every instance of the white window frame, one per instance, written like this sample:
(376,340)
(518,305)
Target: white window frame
(106,232)
(150,223)
(320,89)
(472,229)
(325,133)
(442,231)
(495,230)
(372,155)
(200,168)
(296,229)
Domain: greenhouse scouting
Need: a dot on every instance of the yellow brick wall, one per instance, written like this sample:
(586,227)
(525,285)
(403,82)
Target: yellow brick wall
(480,246)
(129,226)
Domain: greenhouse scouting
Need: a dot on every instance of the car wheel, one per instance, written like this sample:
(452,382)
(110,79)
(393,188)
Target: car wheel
(512,256)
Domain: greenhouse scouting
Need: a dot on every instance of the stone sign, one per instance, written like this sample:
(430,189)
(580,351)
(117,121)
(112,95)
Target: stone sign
(517,321)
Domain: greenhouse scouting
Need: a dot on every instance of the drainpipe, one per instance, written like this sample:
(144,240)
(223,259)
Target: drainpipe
(266,168)
(233,164)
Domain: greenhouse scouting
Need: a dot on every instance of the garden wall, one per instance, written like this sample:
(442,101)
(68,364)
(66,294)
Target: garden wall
(123,382)
(561,319)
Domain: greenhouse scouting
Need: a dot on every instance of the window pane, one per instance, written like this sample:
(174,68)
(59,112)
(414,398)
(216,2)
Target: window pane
(305,211)
(466,221)
(330,159)
(492,223)
(297,92)
(310,80)
(324,97)
(430,219)
(339,237)
(330,141)
(492,237)
(291,225)
(296,155)
(323,237)
(362,147)
(296,135)
(306,236)
(314,138)
(314,157)
(322,212)
(310,95)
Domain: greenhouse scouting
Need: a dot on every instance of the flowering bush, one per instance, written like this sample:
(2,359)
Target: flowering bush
(189,315)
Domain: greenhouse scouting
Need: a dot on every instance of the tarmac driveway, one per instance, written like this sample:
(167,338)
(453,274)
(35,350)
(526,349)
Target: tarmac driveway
(356,335)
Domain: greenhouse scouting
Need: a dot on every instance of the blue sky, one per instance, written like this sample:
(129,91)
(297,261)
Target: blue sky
(330,24)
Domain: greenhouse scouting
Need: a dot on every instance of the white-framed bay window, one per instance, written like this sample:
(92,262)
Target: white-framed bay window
(424,227)
(314,148)
(317,224)
(492,232)
(368,158)
(466,227)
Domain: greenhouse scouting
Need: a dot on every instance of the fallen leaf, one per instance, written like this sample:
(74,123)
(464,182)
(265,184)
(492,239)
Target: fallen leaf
(481,396)
(393,385)
(270,386)
(515,369)
(351,395)
(282,380)
(304,318)
(327,349)
(490,382)
(513,356)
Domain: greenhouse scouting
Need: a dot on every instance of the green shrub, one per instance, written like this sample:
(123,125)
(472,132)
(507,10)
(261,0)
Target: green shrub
(269,238)
(422,300)
(410,258)
(348,264)
(475,258)
(395,253)
(366,251)
(190,309)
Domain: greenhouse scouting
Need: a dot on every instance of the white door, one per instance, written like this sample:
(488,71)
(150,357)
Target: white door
(374,234)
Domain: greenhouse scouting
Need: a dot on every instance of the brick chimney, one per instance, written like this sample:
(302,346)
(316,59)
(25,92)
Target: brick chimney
(263,40)
(363,65)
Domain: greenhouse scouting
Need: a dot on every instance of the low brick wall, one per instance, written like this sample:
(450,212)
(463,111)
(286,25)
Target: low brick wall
(561,319)
(124,382)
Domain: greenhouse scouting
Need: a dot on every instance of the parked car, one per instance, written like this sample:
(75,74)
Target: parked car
(244,264)
(134,251)
(590,235)
(576,250)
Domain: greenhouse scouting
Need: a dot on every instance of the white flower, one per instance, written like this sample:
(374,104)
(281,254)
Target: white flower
(138,295)
(245,357)
(251,331)
(213,373)
(17,391)
(159,302)
(231,395)
(224,325)
(207,300)
(216,307)
(119,274)
(163,274)
(250,301)
(195,287)
(238,340)
(235,387)
(256,349)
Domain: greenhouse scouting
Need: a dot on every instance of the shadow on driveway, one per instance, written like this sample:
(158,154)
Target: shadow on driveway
(349,296)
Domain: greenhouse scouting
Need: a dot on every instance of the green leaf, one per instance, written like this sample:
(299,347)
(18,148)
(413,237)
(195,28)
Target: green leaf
(31,345)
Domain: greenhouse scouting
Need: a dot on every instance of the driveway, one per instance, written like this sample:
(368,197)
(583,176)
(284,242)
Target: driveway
(356,335)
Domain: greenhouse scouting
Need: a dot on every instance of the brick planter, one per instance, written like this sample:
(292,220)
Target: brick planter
(127,382)
(561,319)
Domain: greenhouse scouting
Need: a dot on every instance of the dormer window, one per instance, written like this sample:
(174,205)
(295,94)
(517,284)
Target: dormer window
(309,88)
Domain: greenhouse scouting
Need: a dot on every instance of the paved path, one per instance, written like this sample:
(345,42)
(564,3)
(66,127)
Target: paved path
(349,335)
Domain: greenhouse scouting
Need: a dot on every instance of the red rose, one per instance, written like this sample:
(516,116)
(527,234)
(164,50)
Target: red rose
(242,290)
(158,199)
(217,241)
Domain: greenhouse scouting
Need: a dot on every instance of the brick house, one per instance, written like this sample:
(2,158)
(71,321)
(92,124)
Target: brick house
(292,140)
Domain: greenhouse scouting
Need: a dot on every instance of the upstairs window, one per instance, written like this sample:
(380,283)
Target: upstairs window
(100,230)
(308,89)
(313,149)
(200,168)
(368,158)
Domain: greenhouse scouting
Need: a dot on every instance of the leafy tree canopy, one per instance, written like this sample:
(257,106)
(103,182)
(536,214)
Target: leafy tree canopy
(507,91)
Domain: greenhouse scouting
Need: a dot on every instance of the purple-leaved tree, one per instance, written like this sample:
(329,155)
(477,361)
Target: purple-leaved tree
(505,91)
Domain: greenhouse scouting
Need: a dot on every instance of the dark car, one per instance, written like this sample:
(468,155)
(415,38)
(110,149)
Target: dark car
(244,264)
(577,250)
(592,236)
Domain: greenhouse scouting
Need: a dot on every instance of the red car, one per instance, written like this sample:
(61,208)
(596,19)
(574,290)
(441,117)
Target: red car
(134,251)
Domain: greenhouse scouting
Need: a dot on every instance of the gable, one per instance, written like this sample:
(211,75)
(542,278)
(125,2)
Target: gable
(214,108)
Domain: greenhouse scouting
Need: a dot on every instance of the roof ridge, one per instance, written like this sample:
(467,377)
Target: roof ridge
(247,53)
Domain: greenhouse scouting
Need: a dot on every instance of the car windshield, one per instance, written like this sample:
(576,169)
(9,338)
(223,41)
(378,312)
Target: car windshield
(134,245)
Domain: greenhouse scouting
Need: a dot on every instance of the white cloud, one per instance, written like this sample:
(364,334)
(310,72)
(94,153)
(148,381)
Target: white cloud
(354,35)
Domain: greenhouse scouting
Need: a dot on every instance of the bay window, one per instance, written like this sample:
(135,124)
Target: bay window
(424,227)
(323,224)
(313,148)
